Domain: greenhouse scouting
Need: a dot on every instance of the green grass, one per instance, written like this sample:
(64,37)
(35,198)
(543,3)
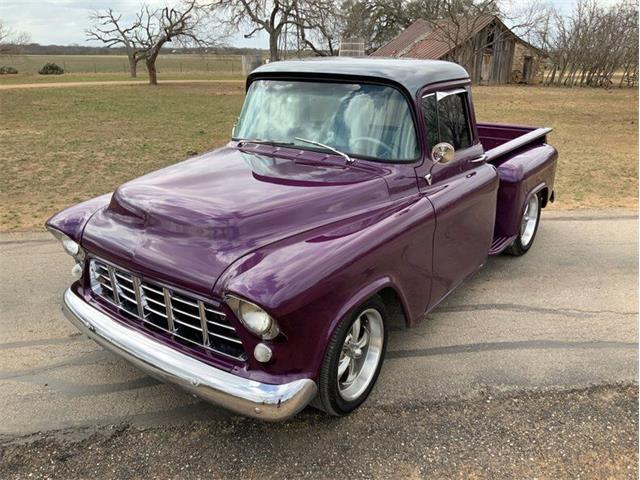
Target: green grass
(64,145)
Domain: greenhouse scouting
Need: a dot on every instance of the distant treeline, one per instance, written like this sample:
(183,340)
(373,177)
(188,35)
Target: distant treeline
(37,49)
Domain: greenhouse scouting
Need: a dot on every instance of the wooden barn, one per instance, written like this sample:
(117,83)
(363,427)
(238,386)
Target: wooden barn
(491,52)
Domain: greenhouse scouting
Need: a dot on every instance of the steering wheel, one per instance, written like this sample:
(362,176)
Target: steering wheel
(374,141)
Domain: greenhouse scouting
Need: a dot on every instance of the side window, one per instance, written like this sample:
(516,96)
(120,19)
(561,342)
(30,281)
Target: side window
(446,118)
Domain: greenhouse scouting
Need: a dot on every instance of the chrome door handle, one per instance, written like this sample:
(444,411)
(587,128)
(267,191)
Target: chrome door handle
(480,159)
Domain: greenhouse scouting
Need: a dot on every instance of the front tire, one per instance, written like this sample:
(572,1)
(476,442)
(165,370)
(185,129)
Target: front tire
(353,359)
(528,227)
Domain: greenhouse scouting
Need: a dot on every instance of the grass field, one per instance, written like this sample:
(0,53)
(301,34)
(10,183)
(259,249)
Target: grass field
(113,77)
(182,63)
(595,132)
(61,146)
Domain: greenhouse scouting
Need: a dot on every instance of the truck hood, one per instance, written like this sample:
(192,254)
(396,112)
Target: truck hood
(187,223)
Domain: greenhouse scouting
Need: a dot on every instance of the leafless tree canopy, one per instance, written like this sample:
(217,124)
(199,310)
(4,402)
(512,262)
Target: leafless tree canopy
(291,25)
(108,27)
(143,38)
(593,46)
(11,41)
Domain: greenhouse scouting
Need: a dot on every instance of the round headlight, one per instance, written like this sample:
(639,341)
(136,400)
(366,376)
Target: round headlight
(254,318)
(71,247)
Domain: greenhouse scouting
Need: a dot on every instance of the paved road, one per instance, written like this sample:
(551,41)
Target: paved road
(563,316)
(17,86)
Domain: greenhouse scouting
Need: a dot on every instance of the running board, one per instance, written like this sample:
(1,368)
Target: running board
(500,243)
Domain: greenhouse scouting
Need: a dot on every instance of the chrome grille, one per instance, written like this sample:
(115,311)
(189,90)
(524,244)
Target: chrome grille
(184,318)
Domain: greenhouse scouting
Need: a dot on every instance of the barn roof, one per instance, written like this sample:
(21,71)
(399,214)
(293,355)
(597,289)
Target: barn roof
(412,74)
(405,39)
(439,38)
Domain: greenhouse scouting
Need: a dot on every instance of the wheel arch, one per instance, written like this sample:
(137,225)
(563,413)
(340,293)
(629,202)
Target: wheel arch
(386,288)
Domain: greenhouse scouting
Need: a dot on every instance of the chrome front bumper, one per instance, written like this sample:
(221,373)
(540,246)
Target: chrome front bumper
(238,394)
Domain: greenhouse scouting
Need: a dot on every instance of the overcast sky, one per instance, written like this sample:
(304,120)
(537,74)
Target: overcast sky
(63,22)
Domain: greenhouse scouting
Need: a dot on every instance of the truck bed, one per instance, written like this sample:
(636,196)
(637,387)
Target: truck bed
(500,139)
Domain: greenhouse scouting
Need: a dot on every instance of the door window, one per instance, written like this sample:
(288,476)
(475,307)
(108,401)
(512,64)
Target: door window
(446,118)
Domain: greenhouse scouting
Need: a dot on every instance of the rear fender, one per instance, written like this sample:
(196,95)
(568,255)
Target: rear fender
(521,177)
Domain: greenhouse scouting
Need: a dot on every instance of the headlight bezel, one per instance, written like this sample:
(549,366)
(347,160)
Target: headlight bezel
(268,332)
(70,246)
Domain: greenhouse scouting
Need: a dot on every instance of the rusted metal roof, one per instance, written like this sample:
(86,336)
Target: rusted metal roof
(447,36)
(395,47)
(434,40)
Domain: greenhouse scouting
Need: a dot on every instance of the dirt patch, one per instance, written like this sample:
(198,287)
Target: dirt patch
(590,433)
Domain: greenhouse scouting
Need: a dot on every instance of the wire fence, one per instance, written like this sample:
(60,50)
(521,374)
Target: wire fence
(176,63)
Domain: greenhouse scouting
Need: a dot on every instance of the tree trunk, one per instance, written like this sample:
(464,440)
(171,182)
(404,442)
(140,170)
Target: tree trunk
(273,47)
(151,68)
(133,67)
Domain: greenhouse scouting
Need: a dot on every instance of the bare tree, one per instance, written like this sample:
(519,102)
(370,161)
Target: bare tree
(318,26)
(184,24)
(593,44)
(108,28)
(375,21)
(253,16)
(11,42)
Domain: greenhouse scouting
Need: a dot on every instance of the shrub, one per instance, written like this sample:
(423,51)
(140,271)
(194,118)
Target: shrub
(8,70)
(51,69)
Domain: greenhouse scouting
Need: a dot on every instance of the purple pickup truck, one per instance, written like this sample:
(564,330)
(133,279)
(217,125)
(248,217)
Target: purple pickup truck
(261,276)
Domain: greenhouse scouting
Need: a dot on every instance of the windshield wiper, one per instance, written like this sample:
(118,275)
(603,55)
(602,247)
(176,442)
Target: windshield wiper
(327,147)
(262,141)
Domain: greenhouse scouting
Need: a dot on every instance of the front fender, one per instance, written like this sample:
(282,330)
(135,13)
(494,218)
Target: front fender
(309,282)
(71,221)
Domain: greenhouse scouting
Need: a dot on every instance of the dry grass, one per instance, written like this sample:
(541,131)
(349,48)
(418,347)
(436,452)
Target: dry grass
(113,77)
(595,132)
(61,146)
(182,63)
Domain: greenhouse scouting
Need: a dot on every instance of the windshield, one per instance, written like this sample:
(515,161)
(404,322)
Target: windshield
(358,119)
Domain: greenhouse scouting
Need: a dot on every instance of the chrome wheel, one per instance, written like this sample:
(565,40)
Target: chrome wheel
(360,355)
(529,221)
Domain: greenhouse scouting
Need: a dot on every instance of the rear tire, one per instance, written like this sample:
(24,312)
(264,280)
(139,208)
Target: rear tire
(353,359)
(528,227)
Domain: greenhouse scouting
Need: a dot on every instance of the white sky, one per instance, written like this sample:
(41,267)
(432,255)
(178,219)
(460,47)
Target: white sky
(63,22)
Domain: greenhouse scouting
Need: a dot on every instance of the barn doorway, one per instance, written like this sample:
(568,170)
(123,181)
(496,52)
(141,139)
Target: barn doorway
(485,71)
(527,69)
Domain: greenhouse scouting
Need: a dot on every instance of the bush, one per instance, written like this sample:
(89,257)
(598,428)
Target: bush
(51,69)
(8,70)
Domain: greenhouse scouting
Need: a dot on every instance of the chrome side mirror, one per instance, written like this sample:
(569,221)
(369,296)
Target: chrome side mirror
(442,153)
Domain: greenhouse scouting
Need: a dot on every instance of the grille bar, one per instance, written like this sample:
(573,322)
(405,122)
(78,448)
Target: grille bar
(180,316)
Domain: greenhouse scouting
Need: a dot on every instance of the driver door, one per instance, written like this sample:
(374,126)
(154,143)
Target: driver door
(463,192)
